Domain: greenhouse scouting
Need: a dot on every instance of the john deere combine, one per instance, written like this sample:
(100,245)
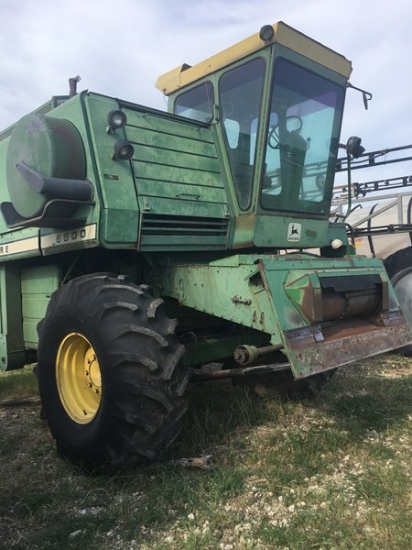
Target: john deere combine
(138,245)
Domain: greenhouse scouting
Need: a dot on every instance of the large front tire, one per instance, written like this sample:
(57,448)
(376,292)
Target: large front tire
(110,377)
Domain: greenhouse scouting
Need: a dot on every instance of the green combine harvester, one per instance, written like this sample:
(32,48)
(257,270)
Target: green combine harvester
(138,246)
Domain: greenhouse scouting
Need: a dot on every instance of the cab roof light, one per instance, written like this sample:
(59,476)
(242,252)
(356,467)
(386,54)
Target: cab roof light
(266,33)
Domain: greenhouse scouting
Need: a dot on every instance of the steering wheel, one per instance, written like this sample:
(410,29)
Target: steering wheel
(273,135)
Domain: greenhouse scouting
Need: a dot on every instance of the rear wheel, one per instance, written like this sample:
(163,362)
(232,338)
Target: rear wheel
(399,268)
(110,376)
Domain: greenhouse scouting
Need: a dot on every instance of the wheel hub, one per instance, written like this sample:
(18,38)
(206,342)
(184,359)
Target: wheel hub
(92,370)
(79,380)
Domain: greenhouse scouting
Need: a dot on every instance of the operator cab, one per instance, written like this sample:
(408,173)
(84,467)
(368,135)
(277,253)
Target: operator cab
(277,106)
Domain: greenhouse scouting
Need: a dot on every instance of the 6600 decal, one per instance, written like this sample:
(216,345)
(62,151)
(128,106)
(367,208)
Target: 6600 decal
(70,236)
(86,233)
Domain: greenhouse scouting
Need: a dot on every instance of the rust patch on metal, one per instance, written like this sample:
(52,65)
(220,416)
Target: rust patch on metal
(343,343)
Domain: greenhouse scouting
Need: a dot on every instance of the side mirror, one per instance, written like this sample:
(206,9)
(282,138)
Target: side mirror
(366,96)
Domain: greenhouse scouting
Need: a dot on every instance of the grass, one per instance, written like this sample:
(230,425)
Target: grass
(331,473)
(18,384)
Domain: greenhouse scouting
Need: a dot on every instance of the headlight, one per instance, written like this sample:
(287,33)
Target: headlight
(123,150)
(116,119)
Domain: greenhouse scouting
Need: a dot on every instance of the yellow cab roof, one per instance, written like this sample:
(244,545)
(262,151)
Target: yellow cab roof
(185,75)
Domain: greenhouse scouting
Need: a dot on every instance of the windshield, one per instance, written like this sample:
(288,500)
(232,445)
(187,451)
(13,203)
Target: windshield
(302,141)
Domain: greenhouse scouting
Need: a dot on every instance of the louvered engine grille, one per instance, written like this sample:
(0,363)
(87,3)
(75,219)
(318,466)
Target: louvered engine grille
(164,225)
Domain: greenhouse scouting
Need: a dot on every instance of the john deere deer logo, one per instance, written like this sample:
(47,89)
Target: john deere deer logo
(294,231)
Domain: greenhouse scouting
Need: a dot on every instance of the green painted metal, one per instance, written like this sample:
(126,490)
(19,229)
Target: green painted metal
(179,182)
(37,286)
(12,350)
(53,147)
(282,296)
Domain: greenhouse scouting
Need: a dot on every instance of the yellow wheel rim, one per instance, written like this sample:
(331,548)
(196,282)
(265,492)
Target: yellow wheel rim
(78,376)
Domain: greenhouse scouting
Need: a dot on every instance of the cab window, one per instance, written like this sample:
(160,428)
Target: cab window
(196,103)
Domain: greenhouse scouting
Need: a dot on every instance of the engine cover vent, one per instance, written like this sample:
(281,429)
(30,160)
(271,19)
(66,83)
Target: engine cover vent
(182,232)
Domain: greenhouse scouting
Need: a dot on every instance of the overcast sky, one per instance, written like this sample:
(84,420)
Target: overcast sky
(119,48)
